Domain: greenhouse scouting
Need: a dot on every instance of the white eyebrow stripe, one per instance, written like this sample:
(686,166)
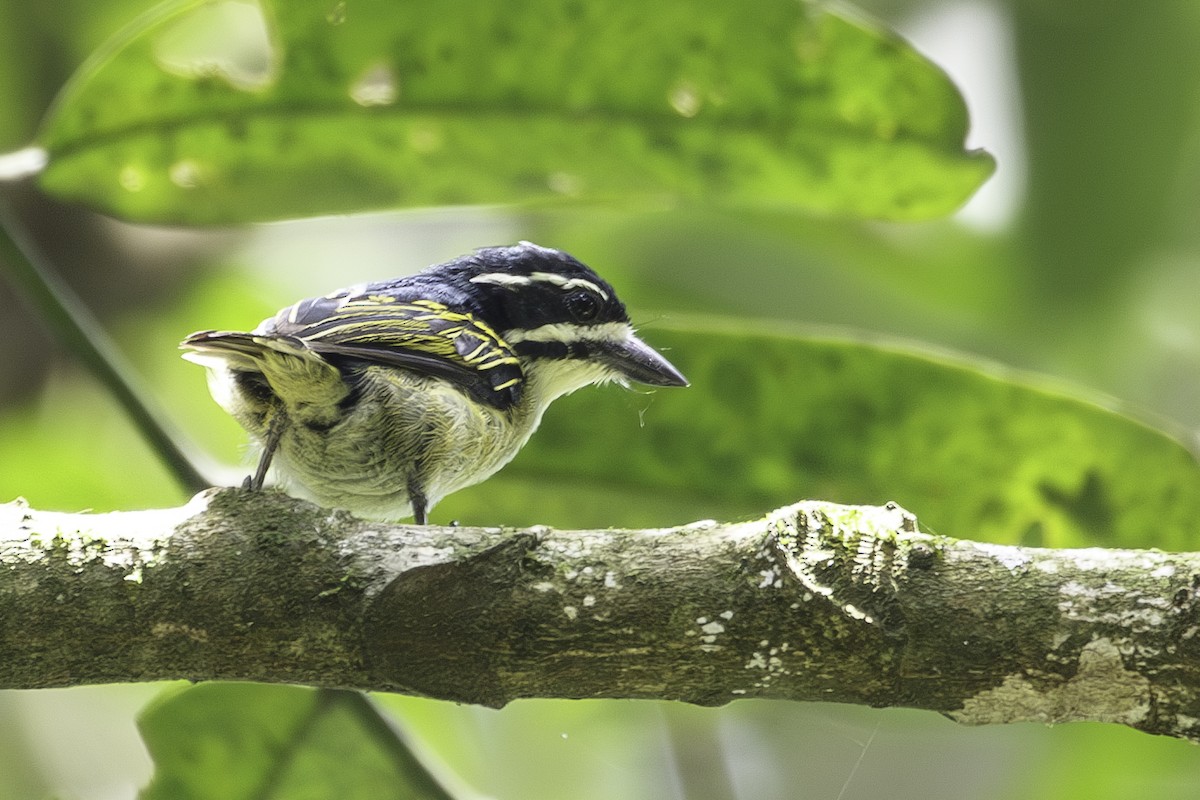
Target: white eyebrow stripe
(568,283)
(566,332)
(501,279)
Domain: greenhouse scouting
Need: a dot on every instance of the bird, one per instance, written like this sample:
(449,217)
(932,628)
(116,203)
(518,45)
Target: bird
(385,397)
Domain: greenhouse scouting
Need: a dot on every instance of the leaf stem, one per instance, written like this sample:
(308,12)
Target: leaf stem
(419,778)
(81,334)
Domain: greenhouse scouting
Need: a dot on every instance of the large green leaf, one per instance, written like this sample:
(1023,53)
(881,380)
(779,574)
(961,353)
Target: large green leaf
(231,111)
(774,416)
(229,741)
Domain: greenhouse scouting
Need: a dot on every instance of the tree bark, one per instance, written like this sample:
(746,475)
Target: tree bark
(815,601)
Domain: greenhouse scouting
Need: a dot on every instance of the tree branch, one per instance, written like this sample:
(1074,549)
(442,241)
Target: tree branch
(815,601)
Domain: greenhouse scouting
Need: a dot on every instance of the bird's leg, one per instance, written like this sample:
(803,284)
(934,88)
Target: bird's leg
(418,501)
(274,434)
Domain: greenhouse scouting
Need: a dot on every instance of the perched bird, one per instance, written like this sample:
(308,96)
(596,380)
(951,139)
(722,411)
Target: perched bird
(386,397)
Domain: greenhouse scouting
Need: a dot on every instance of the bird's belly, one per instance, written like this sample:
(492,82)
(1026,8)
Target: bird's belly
(404,430)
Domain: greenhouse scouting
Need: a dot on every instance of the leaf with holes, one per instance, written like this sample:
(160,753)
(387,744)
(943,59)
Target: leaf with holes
(233,111)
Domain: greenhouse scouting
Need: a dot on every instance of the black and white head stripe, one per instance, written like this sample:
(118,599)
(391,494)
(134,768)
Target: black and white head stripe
(526,287)
(563,282)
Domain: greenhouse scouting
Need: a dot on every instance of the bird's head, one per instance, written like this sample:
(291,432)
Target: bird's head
(560,317)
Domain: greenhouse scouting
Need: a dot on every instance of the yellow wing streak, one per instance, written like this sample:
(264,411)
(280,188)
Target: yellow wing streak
(419,327)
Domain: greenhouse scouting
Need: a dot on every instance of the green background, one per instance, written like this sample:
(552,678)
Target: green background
(1085,267)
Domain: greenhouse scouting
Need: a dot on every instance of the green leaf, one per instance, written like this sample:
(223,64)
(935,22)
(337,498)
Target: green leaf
(233,111)
(773,416)
(228,741)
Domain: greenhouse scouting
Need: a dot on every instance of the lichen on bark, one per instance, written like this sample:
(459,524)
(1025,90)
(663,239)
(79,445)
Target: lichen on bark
(815,601)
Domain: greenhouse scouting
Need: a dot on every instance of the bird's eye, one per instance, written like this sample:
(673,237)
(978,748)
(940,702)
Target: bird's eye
(583,306)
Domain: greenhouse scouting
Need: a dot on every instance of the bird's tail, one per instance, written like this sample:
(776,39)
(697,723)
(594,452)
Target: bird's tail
(310,388)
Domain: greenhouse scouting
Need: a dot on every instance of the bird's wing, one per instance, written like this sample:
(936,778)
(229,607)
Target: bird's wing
(424,336)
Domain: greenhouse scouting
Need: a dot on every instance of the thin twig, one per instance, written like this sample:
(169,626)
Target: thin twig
(82,336)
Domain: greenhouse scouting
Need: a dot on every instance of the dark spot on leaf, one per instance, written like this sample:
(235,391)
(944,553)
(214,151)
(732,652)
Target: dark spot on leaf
(573,11)
(993,508)
(832,360)
(713,165)
(503,33)
(661,140)
(236,128)
(811,455)
(1090,507)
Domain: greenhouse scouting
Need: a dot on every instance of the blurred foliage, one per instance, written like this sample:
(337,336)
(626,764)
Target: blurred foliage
(253,741)
(1128,81)
(1094,280)
(230,112)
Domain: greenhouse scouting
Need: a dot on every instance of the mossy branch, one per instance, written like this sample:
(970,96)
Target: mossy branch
(815,601)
